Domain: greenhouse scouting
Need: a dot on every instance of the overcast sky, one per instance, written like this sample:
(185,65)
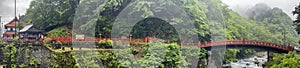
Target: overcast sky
(7,6)
(241,6)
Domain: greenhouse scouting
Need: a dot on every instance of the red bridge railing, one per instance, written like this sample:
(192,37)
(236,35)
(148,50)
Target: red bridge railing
(69,39)
(200,45)
(246,42)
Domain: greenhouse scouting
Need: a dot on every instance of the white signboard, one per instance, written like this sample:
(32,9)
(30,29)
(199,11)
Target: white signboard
(79,37)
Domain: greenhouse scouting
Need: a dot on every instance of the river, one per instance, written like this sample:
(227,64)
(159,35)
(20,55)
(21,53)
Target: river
(254,61)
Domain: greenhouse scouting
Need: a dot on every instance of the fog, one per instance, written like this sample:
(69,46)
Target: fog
(241,6)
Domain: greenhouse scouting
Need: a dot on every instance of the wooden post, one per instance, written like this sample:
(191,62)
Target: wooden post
(244,41)
(130,38)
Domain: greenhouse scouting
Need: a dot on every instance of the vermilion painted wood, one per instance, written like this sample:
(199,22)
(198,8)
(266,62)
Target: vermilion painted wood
(200,45)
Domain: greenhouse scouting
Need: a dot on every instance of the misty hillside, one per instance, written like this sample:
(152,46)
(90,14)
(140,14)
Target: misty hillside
(273,18)
(264,23)
(258,10)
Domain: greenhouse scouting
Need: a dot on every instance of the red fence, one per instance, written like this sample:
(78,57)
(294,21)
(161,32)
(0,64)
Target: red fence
(200,45)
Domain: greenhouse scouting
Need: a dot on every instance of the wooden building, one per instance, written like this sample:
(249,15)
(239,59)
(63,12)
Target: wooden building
(30,34)
(10,30)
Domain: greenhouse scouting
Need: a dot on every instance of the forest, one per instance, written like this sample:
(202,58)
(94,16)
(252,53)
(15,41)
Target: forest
(212,21)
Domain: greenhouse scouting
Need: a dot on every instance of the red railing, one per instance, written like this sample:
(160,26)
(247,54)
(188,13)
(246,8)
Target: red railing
(246,42)
(200,45)
(69,39)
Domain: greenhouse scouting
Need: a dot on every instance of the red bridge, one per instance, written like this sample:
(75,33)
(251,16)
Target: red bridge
(242,42)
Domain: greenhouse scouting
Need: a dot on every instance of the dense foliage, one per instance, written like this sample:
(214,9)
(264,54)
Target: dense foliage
(151,55)
(212,19)
(58,32)
(262,23)
(159,27)
(290,60)
(103,15)
(164,31)
(166,55)
(58,13)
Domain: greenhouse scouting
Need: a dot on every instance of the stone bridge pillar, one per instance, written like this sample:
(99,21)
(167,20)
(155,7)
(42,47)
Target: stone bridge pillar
(269,56)
(208,58)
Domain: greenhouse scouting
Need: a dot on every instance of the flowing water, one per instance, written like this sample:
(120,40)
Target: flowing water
(255,61)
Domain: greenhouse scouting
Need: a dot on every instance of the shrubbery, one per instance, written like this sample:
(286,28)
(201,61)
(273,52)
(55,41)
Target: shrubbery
(106,43)
(290,60)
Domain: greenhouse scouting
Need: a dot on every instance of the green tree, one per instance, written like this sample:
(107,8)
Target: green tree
(290,60)
(108,59)
(110,10)
(297,21)
(194,55)
(153,55)
(58,13)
